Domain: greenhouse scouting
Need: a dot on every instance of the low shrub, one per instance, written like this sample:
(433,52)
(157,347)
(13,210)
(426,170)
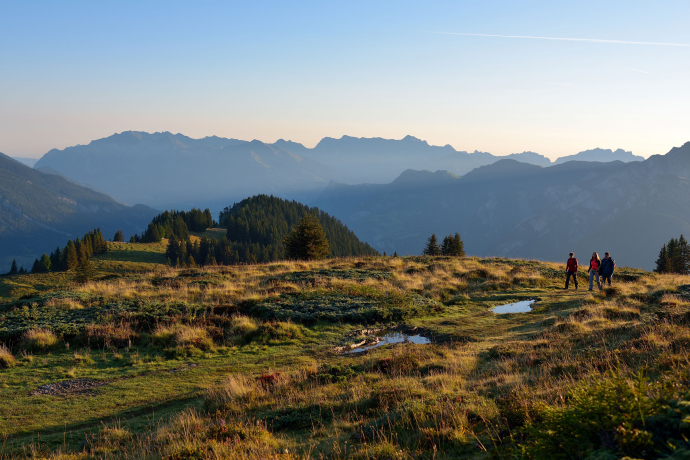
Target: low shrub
(242,325)
(273,332)
(7,359)
(163,335)
(194,336)
(39,339)
(105,335)
(401,364)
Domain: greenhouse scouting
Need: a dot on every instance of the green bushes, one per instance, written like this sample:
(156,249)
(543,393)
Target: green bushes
(358,306)
(612,416)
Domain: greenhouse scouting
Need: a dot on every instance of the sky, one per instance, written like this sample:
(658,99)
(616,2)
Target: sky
(460,72)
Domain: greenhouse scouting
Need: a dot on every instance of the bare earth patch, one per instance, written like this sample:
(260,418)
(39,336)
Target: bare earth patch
(80,387)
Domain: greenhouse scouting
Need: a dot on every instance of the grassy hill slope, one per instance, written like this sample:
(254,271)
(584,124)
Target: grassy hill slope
(251,361)
(40,211)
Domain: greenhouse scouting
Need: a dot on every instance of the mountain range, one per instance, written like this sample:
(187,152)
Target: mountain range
(522,210)
(39,212)
(167,170)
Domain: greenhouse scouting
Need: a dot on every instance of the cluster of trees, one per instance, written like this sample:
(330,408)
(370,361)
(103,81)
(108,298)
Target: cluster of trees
(674,257)
(75,253)
(257,228)
(451,246)
(177,223)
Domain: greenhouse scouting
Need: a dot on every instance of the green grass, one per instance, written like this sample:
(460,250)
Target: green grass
(263,375)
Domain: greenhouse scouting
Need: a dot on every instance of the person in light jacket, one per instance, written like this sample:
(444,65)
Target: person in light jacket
(606,268)
(594,264)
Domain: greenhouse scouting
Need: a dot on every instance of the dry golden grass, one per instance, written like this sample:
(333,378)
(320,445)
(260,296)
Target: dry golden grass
(39,339)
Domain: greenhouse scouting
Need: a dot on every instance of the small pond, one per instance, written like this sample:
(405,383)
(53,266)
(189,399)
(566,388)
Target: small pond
(517,307)
(392,337)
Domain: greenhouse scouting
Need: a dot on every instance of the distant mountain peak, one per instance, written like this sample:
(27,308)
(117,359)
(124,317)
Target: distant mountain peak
(601,155)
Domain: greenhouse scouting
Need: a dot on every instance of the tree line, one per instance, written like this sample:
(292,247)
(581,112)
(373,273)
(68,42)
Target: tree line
(452,245)
(177,223)
(74,253)
(674,257)
(256,230)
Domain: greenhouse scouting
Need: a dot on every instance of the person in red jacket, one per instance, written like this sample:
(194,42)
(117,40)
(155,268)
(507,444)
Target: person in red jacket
(571,270)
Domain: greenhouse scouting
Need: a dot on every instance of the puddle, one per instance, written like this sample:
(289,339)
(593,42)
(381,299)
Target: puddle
(391,337)
(517,307)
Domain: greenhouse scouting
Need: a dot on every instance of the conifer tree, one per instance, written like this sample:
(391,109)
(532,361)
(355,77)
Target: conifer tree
(45,263)
(36,267)
(119,237)
(662,261)
(307,241)
(458,247)
(432,248)
(84,272)
(55,259)
(683,256)
(69,257)
(395,254)
(446,245)
(13,268)
(21,271)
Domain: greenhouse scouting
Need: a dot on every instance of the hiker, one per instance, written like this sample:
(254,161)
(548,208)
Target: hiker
(571,270)
(594,263)
(606,268)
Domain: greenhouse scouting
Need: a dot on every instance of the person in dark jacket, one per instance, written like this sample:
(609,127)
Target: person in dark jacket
(606,268)
(571,270)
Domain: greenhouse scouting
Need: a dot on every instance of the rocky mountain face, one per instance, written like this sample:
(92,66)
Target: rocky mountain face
(39,212)
(174,171)
(515,209)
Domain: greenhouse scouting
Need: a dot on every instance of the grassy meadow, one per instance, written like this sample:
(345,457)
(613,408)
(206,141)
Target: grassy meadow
(252,362)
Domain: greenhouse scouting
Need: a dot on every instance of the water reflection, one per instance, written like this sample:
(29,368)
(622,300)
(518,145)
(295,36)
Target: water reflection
(523,306)
(392,337)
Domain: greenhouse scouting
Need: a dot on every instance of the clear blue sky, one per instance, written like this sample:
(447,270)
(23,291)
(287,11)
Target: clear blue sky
(71,72)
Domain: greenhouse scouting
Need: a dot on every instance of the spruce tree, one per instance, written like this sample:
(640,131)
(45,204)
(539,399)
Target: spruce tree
(21,271)
(662,260)
(35,268)
(432,248)
(458,246)
(13,268)
(55,259)
(119,237)
(447,246)
(84,272)
(69,257)
(683,256)
(307,241)
(45,263)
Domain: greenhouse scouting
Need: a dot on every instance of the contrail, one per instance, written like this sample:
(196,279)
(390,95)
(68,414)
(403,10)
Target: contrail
(591,40)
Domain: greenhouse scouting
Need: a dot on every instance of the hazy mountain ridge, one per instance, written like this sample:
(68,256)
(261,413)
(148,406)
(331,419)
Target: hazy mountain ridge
(168,170)
(172,170)
(519,210)
(40,211)
(378,160)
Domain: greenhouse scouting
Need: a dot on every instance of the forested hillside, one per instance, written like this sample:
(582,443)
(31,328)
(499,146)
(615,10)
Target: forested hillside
(40,211)
(262,222)
(256,228)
